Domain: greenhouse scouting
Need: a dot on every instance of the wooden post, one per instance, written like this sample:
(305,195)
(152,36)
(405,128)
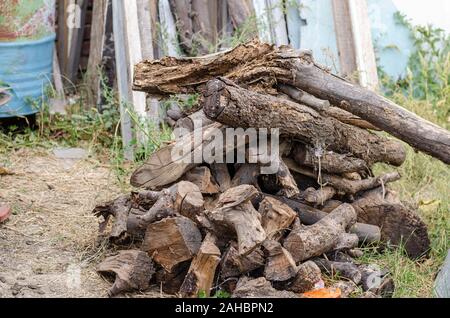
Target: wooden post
(122,76)
(365,55)
(277,22)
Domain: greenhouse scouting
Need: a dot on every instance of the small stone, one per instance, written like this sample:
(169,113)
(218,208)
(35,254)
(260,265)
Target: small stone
(5,212)
(70,153)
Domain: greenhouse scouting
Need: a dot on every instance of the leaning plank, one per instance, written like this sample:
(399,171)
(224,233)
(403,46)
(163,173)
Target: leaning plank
(170,163)
(182,11)
(235,106)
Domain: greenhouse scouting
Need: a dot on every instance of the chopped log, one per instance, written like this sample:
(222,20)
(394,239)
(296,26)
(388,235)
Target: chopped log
(132,269)
(280,266)
(399,225)
(321,237)
(119,208)
(346,241)
(319,196)
(344,185)
(346,270)
(259,288)
(286,181)
(308,276)
(170,282)
(201,273)
(376,280)
(276,217)
(172,241)
(182,198)
(225,102)
(323,107)
(221,175)
(366,232)
(201,177)
(330,205)
(162,168)
(327,161)
(236,212)
(234,265)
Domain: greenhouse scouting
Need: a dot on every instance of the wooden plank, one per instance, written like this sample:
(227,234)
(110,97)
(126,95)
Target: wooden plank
(344,38)
(134,55)
(146,32)
(365,55)
(76,42)
(97,44)
(262,17)
(57,78)
(122,77)
(294,23)
(170,45)
(278,22)
(63,35)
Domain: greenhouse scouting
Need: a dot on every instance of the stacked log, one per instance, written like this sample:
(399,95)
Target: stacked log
(210,226)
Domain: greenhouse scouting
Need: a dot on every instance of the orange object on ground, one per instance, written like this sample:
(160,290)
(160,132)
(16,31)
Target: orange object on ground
(323,293)
(5,212)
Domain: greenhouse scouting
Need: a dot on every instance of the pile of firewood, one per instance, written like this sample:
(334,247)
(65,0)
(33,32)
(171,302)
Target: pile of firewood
(197,228)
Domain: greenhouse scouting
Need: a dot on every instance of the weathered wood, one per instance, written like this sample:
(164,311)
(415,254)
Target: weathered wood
(240,11)
(133,270)
(170,282)
(201,273)
(221,175)
(193,121)
(259,288)
(346,270)
(238,107)
(321,237)
(204,23)
(170,45)
(172,241)
(366,232)
(119,208)
(346,241)
(324,107)
(267,64)
(319,196)
(280,266)
(235,212)
(235,265)
(182,11)
(308,276)
(276,217)
(163,168)
(399,225)
(201,177)
(345,185)
(247,174)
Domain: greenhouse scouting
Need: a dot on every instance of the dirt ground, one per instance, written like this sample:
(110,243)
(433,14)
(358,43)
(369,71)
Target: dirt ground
(47,247)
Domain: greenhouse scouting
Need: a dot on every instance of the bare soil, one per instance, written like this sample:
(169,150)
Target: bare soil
(48,246)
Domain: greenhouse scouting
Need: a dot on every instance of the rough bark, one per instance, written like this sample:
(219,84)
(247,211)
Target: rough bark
(172,241)
(235,265)
(221,175)
(308,276)
(170,163)
(201,273)
(324,107)
(276,217)
(398,224)
(280,266)
(345,186)
(201,177)
(366,232)
(327,161)
(132,269)
(319,196)
(259,288)
(321,237)
(232,105)
(235,212)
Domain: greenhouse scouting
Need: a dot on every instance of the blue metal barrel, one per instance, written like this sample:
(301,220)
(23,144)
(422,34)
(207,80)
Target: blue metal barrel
(27,39)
